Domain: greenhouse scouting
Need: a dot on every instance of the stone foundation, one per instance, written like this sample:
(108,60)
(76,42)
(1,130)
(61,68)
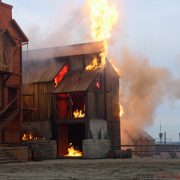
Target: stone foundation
(96,149)
(47,149)
(20,153)
(98,129)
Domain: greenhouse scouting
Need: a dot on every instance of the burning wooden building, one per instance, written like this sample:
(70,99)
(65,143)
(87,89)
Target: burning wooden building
(11,40)
(69,97)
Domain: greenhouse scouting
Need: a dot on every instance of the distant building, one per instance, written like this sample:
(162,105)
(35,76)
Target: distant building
(142,143)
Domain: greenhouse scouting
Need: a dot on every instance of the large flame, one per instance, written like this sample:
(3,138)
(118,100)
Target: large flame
(103,18)
(72,152)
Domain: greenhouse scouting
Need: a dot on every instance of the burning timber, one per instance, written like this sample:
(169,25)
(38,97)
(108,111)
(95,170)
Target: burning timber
(70,103)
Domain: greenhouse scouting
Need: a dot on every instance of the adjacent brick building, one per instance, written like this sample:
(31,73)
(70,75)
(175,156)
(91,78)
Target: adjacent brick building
(11,40)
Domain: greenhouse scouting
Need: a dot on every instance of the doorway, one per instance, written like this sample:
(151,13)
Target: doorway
(70,134)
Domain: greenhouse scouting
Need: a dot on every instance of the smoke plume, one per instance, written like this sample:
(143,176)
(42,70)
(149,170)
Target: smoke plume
(143,88)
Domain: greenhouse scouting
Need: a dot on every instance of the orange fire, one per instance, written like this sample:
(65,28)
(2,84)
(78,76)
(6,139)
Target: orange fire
(30,137)
(79,113)
(60,75)
(95,65)
(121,110)
(72,152)
(103,18)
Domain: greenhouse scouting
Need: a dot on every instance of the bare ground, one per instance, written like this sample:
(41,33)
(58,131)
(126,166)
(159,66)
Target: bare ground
(112,169)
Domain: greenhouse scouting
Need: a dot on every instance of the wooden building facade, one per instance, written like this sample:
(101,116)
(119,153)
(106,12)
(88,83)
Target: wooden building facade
(11,40)
(61,97)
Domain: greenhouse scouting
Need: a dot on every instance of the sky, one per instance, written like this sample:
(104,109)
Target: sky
(149,28)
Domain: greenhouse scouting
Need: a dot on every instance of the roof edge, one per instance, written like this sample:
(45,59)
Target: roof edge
(68,45)
(6,5)
(24,37)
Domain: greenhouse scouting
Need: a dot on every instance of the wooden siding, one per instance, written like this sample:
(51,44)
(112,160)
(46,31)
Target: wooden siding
(101,103)
(1,93)
(76,63)
(38,98)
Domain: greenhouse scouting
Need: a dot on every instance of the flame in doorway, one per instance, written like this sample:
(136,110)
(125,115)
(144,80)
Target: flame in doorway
(72,152)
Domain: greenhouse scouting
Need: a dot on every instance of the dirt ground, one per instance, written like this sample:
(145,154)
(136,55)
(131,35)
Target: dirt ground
(112,169)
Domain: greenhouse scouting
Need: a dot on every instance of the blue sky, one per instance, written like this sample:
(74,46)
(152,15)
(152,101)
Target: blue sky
(150,29)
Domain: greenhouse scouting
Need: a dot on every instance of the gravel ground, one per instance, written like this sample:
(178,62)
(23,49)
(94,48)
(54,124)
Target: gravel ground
(112,169)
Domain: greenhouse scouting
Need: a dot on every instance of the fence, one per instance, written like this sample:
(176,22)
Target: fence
(152,150)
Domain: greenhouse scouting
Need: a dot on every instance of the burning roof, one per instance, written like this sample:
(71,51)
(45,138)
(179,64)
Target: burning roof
(44,64)
(64,51)
(40,71)
(76,81)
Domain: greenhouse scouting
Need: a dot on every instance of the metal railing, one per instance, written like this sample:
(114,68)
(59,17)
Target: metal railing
(153,149)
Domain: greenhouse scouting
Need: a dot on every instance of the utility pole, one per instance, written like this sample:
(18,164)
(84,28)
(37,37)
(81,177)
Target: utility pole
(160,134)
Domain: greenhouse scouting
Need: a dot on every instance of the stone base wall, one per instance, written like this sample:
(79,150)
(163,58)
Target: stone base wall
(96,149)
(20,153)
(98,129)
(46,149)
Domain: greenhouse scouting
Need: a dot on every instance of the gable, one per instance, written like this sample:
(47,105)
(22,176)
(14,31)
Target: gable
(7,47)
(19,31)
(5,36)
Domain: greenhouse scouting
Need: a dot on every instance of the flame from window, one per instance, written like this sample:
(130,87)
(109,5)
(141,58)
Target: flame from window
(31,137)
(103,17)
(73,152)
(61,74)
(79,113)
